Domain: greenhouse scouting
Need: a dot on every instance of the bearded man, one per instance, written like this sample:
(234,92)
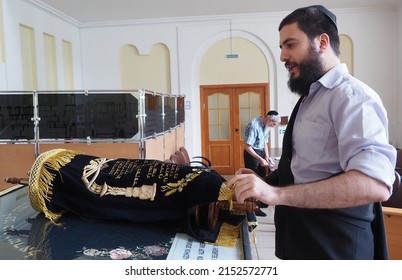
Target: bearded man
(337,165)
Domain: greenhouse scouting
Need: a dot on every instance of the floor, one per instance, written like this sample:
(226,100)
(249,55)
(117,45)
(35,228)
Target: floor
(263,240)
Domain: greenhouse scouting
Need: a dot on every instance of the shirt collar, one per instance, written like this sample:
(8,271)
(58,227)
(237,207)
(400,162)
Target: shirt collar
(330,79)
(333,76)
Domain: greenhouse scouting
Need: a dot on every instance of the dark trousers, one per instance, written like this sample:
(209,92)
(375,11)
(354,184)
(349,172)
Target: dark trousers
(253,164)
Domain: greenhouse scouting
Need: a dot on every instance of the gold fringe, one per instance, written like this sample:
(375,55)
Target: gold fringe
(228,235)
(41,179)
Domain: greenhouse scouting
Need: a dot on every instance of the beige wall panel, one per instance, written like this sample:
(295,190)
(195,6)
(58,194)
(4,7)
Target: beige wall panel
(180,136)
(2,52)
(15,161)
(68,65)
(154,148)
(346,49)
(28,58)
(150,71)
(106,150)
(250,67)
(49,45)
(170,144)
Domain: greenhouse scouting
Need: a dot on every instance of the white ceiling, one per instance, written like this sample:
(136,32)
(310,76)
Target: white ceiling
(90,11)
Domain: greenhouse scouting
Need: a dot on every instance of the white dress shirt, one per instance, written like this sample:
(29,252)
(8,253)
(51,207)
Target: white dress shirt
(341,125)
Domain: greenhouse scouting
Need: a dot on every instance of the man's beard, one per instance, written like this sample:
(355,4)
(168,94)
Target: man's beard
(310,70)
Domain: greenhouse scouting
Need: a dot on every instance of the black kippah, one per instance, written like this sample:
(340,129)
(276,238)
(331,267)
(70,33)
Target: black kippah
(272,113)
(327,12)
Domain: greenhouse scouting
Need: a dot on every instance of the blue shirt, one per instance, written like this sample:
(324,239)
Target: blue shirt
(341,125)
(256,135)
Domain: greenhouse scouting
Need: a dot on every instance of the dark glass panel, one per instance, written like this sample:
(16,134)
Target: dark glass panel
(153,112)
(180,110)
(16,112)
(170,112)
(102,116)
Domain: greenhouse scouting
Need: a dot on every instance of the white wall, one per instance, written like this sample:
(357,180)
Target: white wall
(18,12)
(101,51)
(375,39)
(373,32)
(376,34)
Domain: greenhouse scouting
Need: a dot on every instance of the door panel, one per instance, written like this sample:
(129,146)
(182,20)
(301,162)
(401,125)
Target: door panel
(225,112)
(251,104)
(217,124)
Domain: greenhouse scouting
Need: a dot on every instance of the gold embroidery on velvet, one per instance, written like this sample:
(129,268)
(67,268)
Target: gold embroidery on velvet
(144,192)
(93,169)
(171,187)
(41,178)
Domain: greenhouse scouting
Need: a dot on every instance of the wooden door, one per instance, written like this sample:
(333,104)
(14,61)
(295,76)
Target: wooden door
(225,112)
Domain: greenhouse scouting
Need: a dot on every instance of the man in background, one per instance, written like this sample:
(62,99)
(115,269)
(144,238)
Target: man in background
(256,154)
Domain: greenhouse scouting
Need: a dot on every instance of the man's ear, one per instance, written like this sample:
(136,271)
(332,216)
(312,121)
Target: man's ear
(324,42)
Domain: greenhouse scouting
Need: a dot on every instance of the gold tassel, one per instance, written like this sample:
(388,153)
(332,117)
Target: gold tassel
(41,179)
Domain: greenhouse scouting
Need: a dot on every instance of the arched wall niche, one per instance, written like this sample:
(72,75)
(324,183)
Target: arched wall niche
(250,65)
(193,97)
(346,49)
(150,71)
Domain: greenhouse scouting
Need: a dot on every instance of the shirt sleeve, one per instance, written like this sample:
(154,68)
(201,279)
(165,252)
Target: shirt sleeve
(361,126)
(250,135)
